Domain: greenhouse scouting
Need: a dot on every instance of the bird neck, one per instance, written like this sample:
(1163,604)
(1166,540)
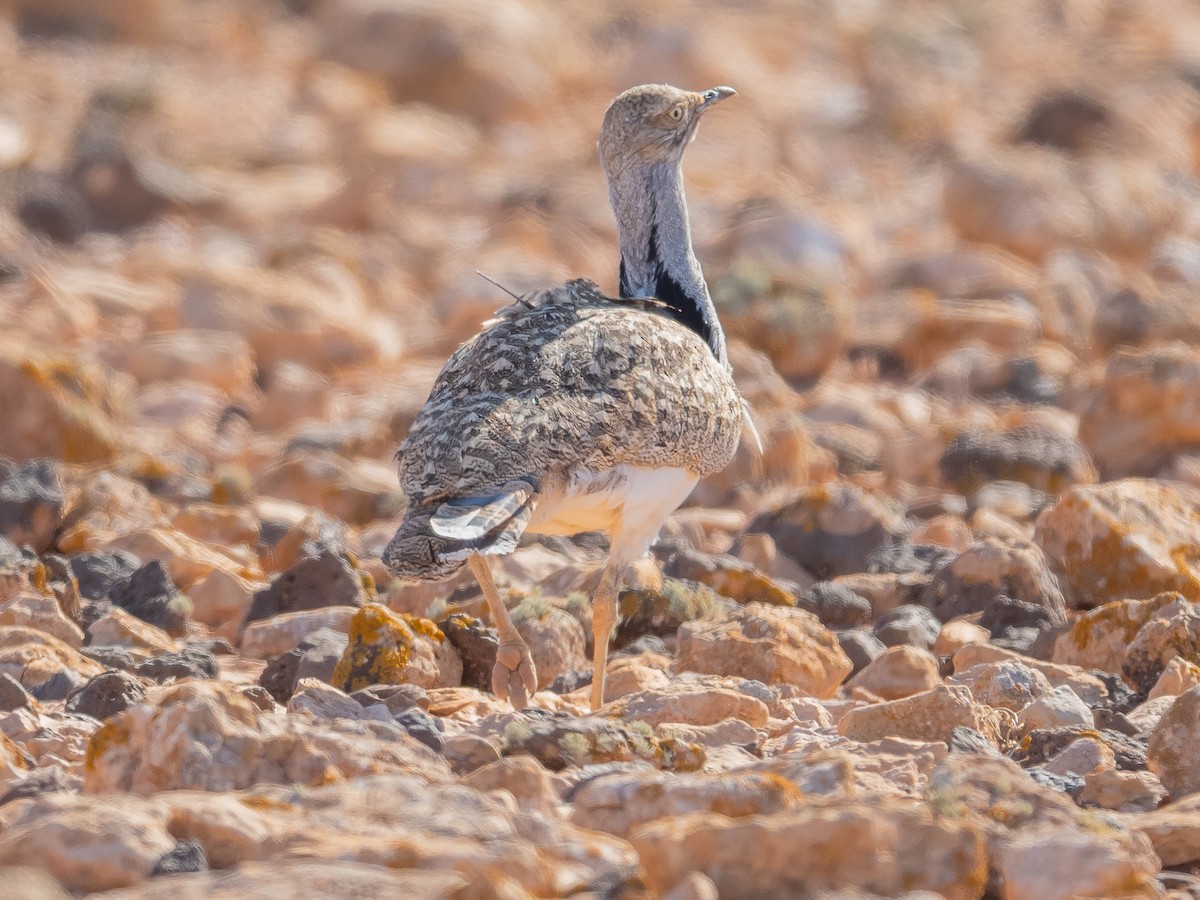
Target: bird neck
(657,259)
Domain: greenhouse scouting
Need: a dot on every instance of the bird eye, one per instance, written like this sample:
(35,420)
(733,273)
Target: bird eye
(676,113)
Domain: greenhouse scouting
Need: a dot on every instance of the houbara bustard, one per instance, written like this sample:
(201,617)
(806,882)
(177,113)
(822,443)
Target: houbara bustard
(573,412)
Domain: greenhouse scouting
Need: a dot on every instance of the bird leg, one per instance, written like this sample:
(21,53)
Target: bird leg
(604,617)
(514,677)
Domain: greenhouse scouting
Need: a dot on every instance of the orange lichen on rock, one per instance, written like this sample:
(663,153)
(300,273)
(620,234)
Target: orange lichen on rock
(395,648)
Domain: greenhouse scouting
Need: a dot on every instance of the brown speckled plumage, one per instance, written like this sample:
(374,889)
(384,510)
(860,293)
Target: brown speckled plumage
(566,405)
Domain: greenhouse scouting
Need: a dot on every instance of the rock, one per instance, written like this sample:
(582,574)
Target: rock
(1174,829)
(151,595)
(111,657)
(1173,633)
(860,647)
(390,648)
(358,491)
(1084,756)
(775,645)
(1124,792)
(1066,121)
(835,605)
(186,857)
(284,632)
(522,776)
(832,529)
(1045,459)
(1089,688)
(907,558)
(898,672)
(1053,864)
(1056,708)
(218,358)
(1171,751)
(661,611)
(398,698)
(1178,676)
(1101,637)
(98,572)
(559,741)
(1005,618)
(623,802)
(958,633)
(323,701)
(1145,717)
(42,613)
(54,407)
(316,656)
(988,569)
(168,744)
(1004,684)
(190,662)
(88,846)
(908,624)
(1139,417)
(327,579)
(929,716)
(813,850)
(476,644)
(28,883)
(106,695)
(13,694)
(45,666)
(222,597)
(1120,540)
(704,701)
(727,575)
(555,640)
(31,503)
(117,628)
(186,559)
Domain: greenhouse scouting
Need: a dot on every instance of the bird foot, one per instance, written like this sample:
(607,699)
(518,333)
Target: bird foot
(514,677)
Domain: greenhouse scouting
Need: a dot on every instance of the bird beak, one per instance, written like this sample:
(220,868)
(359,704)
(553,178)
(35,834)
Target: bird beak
(713,96)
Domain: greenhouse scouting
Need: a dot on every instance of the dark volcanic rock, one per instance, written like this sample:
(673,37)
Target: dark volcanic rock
(190,662)
(477,644)
(833,528)
(314,657)
(12,693)
(1044,459)
(48,206)
(860,647)
(990,568)
(98,572)
(571,681)
(660,612)
(184,857)
(905,558)
(31,503)
(110,657)
(41,781)
(421,725)
(151,595)
(908,624)
(106,695)
(327,579)
(835,605)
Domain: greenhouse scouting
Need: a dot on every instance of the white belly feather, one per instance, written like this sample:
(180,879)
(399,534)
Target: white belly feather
(627,503)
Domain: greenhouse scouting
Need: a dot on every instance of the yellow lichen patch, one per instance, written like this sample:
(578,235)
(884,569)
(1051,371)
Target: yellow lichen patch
(380,647)
(1122,618)
(112,733)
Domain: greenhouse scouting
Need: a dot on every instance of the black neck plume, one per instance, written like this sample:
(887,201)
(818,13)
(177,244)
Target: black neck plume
(688,311)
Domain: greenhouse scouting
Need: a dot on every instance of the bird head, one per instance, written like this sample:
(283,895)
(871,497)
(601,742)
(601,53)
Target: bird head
(653,123)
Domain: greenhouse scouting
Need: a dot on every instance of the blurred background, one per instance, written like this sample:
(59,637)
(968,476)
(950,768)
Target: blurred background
(239,237)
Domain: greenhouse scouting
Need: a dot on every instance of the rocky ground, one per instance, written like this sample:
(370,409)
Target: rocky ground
(940,640)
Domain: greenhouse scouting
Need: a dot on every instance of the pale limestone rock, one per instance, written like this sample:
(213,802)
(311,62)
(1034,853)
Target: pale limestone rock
(1124,792)
(108,505)
(630,678)
(49,737)
(1084,756)
(701,702)
(269,638)
(898,672)
(727,734)
(43,613)
(221,597)
(1059,864)
(620,804)
(958,633)
(14,763)
(929,716)
(1100,637)
(884,590)
(1118,539)
(1173,632)
(323,701)
(88,844)
(118,628)
(1178,676)
(1006,684)
(231,527)
(883,848)
(1174,744)
(1059,707)
(35,658)
(1089,688)
(1145,716)
(218,358)
(1174,829)
(186,559)
(693,886)
(207,735)
(775,645)
(523,777)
